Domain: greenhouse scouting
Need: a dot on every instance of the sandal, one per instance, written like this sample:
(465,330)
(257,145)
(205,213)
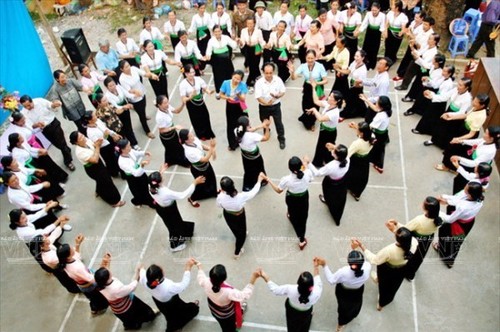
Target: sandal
(435,245)
(407,100)
(378,169)
(151,135)
(71,167)
(120,203)
(302,245)
(441,167)
(194,204)
(322,198)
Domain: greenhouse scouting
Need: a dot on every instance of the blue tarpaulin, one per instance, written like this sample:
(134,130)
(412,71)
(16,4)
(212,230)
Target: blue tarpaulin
(24,66)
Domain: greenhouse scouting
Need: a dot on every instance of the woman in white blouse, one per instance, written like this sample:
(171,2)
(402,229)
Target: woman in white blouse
(248,140)
(166,206)
(132,163)
(124,303)
(187,53)
(358,153)
(165,294)
(328,118)
(380,127)
(88,153)
(430,82)
(422,227)
(191,90)
(222,19)
(115,109)
(96,129)
(457,225)
(432,111)
(45,252)
(225,302)
(31,225)
(302,24)
(172,27)
(154,61)
(200,25)
(150,32)
(350,284)
(300,298)
(200,165)
(296,185)
(174,153)
(350,22)
(334,181)
(391,262)
(280,45)
(354,107)
(32,157)
(127,49)
(90,80)
(252,41)
(130,80)
(218,52)
(395,24)
(233,205)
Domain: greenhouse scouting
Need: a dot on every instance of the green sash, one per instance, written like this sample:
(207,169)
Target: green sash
(193,58)
(158,44)
(283,55)
(221,50)
(174,35)
(378,131)
(394,29)
(288,193)
(350,28)
(258,49)
(454,107)
(373,27)
(320,91)
(97,89)
(198,97)
(322,126)
(158,71)
(202,31)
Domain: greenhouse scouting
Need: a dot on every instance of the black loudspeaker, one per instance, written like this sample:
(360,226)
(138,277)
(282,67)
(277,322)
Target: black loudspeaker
(76,45)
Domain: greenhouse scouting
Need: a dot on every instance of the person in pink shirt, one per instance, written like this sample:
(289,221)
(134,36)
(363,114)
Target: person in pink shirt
(329,30)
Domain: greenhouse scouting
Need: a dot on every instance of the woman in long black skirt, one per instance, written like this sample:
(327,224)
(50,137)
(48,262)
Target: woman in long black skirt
(422,228)
(34,158)
(191,90)
(124,303)
(96,129)
(234,92)
(200,165)
(457,225)
(174,152)
(334,182)
(114,110)
(391,264)
(88,154)
(296,185)
(43,248)
(219,51)
(252,40)
(329,120)
(233,205)
(380,127)
(341,64)
(471,125)
(29,176)
(301,298)
(350,25)
(393,34)
(154,63)
(459,100)
(248,140)
(375,23)
(355,107)
(200,25)
(165,294)
(359,152)
(350,285)
(280,45)
(132,164)
(424,75)
(187,53)
(432,111)
(311,70)
(166,206)
(481,174)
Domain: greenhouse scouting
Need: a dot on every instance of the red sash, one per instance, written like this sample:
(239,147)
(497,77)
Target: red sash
(237,309)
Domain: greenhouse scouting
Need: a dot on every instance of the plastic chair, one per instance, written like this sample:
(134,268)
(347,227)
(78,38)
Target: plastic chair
(473,17)
(459,43)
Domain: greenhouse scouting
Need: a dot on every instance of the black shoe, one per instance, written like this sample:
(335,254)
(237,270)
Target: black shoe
(415,131)
(407,113)
(282,145)
(407,99)
(428,143)
(401,88)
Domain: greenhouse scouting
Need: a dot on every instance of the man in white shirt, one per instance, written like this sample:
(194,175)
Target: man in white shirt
(268,91)
(379,85)
(41,113)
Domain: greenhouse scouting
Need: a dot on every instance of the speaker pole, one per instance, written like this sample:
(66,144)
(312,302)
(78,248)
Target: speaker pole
(49,31)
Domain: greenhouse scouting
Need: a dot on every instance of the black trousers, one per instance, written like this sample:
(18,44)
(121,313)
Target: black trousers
(483,36)
(265,112)
(54,133)
(140,108)
(238,225)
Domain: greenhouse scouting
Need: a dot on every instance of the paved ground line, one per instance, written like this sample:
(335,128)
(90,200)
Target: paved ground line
(405,195)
